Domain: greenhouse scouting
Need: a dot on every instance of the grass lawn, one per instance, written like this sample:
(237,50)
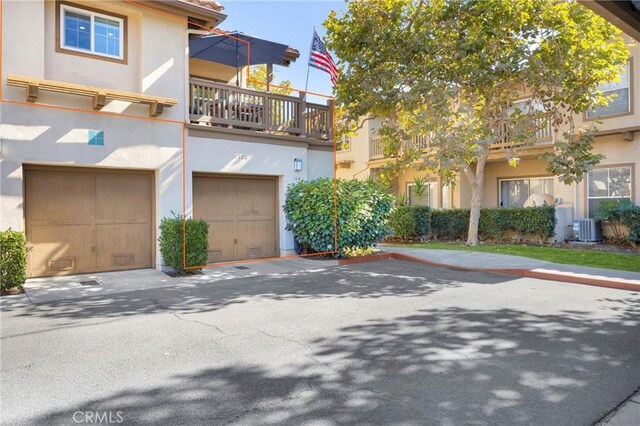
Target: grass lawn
(569,256)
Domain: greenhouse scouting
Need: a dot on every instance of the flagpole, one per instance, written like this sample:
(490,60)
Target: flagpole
(306,85)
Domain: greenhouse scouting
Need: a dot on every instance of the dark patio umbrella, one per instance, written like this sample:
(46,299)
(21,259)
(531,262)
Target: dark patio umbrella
(229,49)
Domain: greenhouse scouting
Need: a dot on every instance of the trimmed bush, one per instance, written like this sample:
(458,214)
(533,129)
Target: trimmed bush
(630,217)
(451,224)
(532,221)
(423,220)
(410,221)
(13,259)
(171,232)
(363,211)
(402,222)
(495,222)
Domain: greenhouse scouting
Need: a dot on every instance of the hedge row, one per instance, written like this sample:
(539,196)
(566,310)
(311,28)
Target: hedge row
(453,224)
(13,259)
(410,221)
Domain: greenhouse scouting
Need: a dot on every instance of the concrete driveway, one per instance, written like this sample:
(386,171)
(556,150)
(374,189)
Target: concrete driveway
(379,343)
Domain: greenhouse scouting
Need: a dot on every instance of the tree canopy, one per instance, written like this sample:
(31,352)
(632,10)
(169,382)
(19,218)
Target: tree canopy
(258,81)
(450,70)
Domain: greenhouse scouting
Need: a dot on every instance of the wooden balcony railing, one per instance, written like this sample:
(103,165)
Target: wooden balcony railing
(544,136)
(375,146)
(222,105)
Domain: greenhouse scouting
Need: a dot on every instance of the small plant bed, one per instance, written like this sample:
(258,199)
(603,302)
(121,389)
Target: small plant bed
(597,256)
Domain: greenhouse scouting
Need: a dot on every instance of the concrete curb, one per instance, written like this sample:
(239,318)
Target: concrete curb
(567,277)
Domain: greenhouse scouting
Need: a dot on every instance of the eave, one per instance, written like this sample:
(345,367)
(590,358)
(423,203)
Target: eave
(624,14)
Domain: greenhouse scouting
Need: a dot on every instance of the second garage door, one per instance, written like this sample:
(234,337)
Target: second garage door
(241,213)
(88,220)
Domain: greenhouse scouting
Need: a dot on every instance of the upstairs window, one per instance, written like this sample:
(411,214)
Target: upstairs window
(91,32)
(526,106)
(619,93)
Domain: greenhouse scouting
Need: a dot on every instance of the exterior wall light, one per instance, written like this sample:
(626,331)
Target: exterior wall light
(297,164)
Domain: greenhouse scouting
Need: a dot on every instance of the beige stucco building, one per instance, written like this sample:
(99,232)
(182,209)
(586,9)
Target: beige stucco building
(107,125)
(618,139)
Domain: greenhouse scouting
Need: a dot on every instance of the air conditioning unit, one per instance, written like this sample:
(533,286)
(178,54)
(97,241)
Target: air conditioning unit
(587,230)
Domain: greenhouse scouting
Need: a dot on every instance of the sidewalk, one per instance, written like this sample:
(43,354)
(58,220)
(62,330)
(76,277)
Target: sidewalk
(626,414)
(523,266)
(41,290)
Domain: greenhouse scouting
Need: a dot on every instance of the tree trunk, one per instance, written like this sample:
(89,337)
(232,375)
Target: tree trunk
(477,182)
(474,217)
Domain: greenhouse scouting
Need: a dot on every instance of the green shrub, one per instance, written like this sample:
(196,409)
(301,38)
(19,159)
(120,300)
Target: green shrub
(630,217)
(171,243)
(410,221)
(609,211)
(495,222)
(451,224)
(532,221)
(13,259)
(617,213)
(363,212)
(423,220)
(402,222)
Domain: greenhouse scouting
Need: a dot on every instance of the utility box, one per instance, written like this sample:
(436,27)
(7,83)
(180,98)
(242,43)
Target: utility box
(587,230)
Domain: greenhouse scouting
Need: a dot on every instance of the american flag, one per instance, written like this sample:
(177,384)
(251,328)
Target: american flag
(321,58)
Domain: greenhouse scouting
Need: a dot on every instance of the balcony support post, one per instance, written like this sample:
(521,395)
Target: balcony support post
(302,115)
(331,104)
(267,114)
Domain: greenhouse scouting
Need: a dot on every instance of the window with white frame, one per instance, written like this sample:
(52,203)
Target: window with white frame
(619,93)
(514,192)
(526,106)
(428,198)
(607,183)
(91,32)
(344,145)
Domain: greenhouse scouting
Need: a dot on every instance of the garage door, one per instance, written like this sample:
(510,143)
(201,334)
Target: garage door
(241,213)
(87,220)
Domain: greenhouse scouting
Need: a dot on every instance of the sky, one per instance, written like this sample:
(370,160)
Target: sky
(287,22)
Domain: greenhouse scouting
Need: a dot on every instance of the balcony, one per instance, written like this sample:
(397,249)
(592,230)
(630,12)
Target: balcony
(376,152)
(216,104)
(544,137)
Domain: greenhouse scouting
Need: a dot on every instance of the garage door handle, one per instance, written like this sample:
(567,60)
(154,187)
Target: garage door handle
(93,249)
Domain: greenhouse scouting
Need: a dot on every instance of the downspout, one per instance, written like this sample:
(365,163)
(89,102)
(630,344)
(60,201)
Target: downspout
(185,67)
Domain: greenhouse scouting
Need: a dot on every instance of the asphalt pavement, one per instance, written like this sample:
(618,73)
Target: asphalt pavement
(387,342)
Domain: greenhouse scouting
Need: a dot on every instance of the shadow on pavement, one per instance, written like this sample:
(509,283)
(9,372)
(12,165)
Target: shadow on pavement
(372,280)
(448,366)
